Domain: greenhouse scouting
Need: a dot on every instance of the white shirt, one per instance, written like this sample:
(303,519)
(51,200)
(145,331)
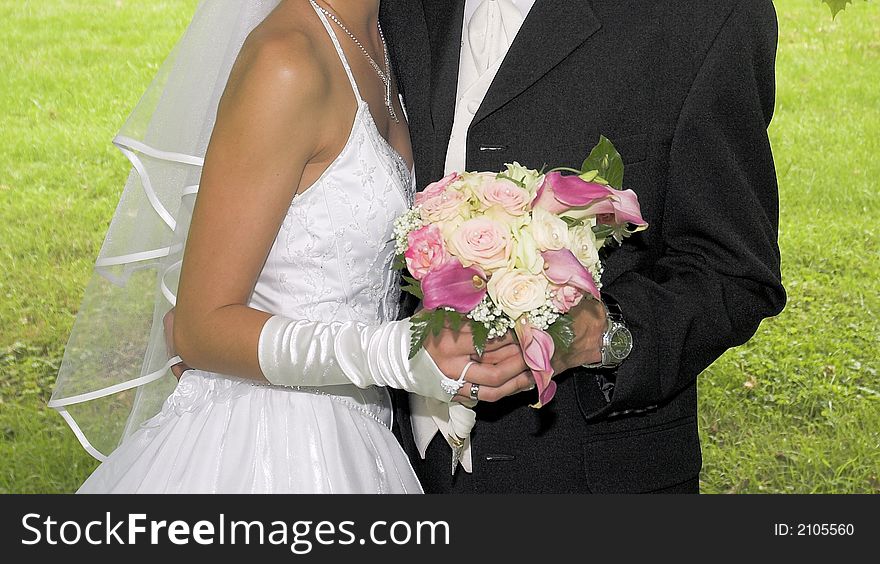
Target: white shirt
(467,101)
(427,416)
(470,7)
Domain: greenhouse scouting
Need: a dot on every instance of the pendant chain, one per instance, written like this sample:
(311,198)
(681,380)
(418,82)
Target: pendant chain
(384,75)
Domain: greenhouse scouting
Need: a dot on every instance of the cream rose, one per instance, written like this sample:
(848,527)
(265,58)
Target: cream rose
(583,245)
(530,178)
(526,254)
(436,189)
(443,207)
(517,292)
(471,183)
(550,232)
(506,195)
(515,222)
(483,242)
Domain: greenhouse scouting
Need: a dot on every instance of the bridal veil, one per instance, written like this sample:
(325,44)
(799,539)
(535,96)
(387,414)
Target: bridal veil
(115,372)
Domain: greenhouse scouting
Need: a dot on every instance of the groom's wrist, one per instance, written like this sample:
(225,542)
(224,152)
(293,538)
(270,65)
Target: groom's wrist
(616,341)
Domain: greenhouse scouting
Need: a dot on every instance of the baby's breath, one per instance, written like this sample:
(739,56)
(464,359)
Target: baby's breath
(596,271)
(491,316)
(544,316)
(403,226)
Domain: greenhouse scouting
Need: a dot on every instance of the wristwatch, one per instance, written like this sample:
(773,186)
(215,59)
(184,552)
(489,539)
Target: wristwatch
(617,341)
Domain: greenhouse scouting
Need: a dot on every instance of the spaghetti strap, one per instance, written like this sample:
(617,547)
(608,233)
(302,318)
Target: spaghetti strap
(339,51)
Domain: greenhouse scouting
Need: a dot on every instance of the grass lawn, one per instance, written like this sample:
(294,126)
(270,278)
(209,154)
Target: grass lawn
(797,409)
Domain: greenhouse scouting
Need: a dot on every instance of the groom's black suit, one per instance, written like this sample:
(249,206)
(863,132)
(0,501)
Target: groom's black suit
(685,90)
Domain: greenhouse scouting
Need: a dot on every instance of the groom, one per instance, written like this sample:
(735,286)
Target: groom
(685,91)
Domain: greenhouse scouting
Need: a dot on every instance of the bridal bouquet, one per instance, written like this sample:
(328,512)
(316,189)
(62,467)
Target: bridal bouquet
(514,250)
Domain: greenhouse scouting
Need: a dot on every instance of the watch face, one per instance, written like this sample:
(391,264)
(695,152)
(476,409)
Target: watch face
(620,343)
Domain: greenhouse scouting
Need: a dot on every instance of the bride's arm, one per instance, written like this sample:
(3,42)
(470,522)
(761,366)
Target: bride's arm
(269,127)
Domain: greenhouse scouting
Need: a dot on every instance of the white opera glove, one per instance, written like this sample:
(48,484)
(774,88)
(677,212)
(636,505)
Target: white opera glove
(454,422)
(312,353)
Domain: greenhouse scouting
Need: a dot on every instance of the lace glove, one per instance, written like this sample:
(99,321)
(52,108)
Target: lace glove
(311,353)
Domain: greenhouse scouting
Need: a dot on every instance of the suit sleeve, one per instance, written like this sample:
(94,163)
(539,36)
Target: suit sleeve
(718,274)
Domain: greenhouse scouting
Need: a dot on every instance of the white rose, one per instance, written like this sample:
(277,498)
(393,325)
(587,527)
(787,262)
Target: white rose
(526,254)
(517,292)
(471,183)
(584,247)
(530,178)
(550,232)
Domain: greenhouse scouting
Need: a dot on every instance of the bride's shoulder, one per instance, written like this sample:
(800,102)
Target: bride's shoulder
(281,54)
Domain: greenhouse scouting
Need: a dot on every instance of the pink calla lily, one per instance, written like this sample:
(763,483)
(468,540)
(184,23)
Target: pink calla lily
(453,285)
(563,268)
(559,193)
(537,347)
(624,206)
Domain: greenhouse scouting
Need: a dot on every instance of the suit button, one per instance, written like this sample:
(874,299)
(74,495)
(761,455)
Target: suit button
(500,458)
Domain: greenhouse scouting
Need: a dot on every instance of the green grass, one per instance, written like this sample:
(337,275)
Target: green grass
(797,409)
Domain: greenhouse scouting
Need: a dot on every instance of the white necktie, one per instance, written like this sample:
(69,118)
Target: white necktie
(485,42)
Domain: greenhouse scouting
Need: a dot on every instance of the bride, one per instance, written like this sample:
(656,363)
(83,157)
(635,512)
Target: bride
(284,118)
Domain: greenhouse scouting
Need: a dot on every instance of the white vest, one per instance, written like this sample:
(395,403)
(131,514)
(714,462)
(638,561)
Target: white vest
(474,82)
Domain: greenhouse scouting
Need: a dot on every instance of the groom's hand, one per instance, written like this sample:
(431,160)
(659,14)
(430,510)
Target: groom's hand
(588,323)
(500,372)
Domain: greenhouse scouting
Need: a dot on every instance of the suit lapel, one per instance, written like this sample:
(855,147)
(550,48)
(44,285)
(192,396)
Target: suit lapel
(405,27)
(552,30)
(445,17)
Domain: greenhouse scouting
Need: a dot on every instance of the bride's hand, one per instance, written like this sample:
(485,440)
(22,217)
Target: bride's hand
(500,372)
(168,323)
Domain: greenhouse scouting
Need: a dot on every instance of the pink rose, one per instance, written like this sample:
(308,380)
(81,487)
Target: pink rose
(566,297)
(426,251)
(483,242)
(504,193)
(443,207)
(436,189)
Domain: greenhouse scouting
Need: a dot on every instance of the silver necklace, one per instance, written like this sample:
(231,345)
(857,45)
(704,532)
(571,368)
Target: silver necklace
(384,75)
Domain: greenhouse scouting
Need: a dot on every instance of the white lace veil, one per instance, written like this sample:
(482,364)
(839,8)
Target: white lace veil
(115,373)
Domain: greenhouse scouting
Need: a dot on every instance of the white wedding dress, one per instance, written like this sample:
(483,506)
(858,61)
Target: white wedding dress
(331,260)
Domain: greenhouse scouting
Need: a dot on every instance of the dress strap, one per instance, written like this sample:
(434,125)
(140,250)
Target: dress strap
(339,51)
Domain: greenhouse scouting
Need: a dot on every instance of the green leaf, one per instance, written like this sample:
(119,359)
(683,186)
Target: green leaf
(590,175)
(571,222)
(605,159)
(603,231)
(562,333)
(419,330)
(837,6)
(502,176)
(399,262)
(413,287)
(415,291)
(437,321)
(455,320)
(480,336)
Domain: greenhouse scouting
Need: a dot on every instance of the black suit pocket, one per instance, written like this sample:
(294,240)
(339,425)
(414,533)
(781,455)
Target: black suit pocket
(632,149)
(644,461)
